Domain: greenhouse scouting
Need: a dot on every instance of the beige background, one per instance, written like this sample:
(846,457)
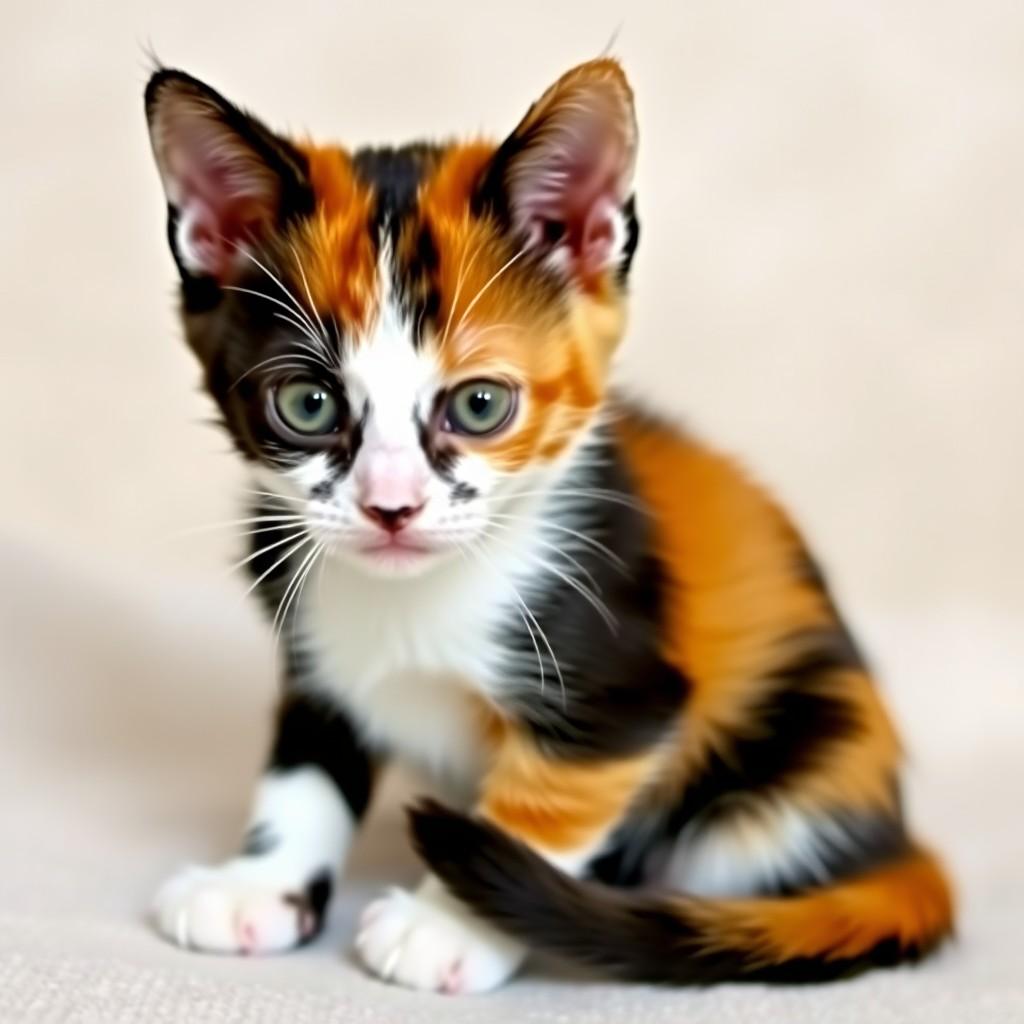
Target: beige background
(830,283)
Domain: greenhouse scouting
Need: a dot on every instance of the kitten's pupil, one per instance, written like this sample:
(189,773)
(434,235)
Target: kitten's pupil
(479,402)
(313,403)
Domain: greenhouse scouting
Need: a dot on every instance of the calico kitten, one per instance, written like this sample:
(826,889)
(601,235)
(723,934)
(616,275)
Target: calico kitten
(598,633)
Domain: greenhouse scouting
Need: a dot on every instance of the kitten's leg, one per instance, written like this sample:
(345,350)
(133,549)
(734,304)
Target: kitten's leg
(274,894)
(564,810)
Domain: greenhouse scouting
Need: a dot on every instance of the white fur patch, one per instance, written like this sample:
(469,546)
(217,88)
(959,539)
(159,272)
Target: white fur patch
(426,940)
(404,654)
(769,846)
(247,904)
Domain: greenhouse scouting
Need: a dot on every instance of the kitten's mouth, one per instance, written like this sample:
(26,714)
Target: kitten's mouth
(396,544)
(397,555)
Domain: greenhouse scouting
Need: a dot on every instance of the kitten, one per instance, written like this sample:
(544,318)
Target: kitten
(596,631)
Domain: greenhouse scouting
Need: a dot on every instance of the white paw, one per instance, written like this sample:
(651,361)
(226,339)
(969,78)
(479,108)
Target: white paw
(230,909)
(427,940)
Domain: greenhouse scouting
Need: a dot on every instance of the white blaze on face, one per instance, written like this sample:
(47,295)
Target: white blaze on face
(392,383)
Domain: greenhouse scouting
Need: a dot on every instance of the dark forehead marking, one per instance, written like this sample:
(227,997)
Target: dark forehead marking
(394,175)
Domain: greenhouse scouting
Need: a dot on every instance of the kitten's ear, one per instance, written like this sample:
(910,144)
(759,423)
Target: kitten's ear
(227,178)
(564,175)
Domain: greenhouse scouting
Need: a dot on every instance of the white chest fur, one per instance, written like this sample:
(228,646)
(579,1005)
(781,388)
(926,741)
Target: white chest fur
(407,656)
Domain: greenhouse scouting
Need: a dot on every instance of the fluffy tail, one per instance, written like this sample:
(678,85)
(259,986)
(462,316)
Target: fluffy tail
(892,913)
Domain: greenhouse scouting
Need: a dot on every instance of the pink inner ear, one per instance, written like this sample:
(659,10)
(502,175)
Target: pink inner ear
(210,236)
(569,186)
(224,196)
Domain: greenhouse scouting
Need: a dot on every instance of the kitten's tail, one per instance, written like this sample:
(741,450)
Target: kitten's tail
(891,913)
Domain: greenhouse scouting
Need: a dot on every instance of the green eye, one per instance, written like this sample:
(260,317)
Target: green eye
(480,407)
(307,408)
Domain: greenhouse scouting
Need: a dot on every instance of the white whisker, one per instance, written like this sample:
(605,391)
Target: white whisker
(309,294)
(302,583)
(588,595)
(544,524)
(526,608)
(266,297)
(463,269)
(208,527)
(284,558)
(597,493)
(262,551)
(287,360)
(475,338)
(551,547)
(274,494)
(286,291)
(304,331)
(292,589)
(494,277)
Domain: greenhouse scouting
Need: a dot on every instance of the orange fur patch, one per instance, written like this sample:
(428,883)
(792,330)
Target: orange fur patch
(909,901)
(334,244)
(559,806)
(733,592)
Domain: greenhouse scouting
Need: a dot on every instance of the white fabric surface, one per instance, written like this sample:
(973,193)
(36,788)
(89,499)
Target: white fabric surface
(135,710)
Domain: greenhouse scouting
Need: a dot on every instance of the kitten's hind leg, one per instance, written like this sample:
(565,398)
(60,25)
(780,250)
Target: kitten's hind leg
(274,894)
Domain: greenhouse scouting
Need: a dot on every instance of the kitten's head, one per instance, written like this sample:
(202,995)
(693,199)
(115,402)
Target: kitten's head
(403,340)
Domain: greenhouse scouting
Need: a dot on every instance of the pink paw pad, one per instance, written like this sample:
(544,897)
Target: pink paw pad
(452,980)
(248,938)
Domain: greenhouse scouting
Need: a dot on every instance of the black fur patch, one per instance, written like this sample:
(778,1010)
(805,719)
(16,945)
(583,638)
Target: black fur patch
(441,458)
(395,175)
(463,491)
(322,491)
(311,904)
(419,291)
(490,197)
(313,732)
(428,259)
(260,840)
(793,723)
(624,934)
(632,239)
(619,696)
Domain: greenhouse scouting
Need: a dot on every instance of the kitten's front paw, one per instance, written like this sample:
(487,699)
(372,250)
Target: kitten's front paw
(428,941)
(230,909)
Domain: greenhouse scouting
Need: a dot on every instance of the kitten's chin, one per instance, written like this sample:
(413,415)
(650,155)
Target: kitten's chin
(389,561)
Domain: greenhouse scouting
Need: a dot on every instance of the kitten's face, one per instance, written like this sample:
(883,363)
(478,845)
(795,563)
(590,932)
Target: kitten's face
(403,342)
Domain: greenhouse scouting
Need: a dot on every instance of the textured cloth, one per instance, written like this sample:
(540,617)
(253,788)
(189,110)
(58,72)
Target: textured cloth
(135,713)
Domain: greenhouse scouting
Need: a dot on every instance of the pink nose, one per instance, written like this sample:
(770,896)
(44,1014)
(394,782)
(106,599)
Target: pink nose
(392,486)
(391,519)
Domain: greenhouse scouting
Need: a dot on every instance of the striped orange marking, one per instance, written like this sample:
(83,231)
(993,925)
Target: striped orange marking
(334,244)
(909,901)
(559,806)
(733,593)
